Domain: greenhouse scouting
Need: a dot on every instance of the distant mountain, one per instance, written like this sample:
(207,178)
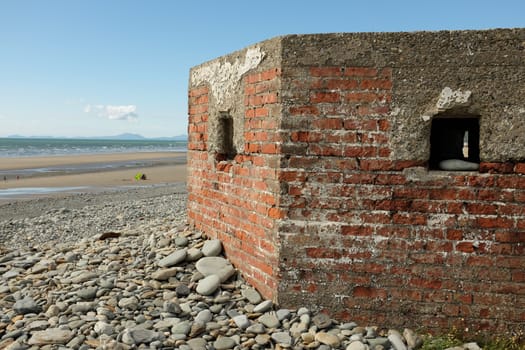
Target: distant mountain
(174,138)
(126,136)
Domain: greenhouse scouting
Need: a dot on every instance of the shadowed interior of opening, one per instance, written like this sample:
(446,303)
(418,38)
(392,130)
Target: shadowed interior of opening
(454,138)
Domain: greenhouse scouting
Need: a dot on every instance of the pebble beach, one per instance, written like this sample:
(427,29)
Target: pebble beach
(122,270)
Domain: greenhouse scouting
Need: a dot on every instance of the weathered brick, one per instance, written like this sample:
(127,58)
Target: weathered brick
(326,198)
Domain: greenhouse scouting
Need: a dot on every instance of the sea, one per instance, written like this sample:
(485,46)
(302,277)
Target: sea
(44,147)
(34,147)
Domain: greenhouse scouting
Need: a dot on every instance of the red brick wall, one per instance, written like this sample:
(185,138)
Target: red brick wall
(237,200)
(376,240)
(314,210)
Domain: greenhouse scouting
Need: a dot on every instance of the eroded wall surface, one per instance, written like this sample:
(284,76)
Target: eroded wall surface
(329,201)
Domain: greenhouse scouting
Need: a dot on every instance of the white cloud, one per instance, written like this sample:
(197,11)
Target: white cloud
(128,112)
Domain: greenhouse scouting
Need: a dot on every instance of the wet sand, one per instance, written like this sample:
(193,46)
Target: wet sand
(84,173)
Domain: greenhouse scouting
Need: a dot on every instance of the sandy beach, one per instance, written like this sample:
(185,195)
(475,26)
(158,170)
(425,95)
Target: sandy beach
(90,172)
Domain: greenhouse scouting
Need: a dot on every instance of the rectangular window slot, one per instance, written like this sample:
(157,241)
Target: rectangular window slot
(454,144)
(226,132)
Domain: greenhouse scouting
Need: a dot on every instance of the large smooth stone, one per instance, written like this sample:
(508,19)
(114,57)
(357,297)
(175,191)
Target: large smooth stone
(26,306)
(269,320)
(322,321)
(252,295)
(224,343)
(282,338)
(328,339)
(215,265)
(174,258)
(164,274)
(458,165)
(263,306)
(130,303)
(396,340)
(197,344)
(208,285)
(212,247)
(204,316)
(357,345)
(51,336)
(242,321)
(140,336)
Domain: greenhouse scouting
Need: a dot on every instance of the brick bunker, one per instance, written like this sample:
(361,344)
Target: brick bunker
(318,161)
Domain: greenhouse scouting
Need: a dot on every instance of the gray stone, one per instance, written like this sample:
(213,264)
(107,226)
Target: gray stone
(102,327)
(215,265)
(322,321)
(308,337)
(458,165)
(171,307)
(328,339)
(84,277)
(303,311)
(38,325)
(51,336)
(130,303)
(26,306)
(11,274)
(88,293)
(174,258)
(269,320)
(396,340)
(197,344)
(204,316)
(242,321)
(74,324)
(298,327)
(196,329)
(223,343)
(413,340)
(251,295)
(193,254)
(305,319)
(212,247)
(76,342)
(371,332)
(140,336)
(208,285)
(262,339)
(283,314)
(106,283)
(182,290)
(256,328)
(181,241)
(348,325)
(216,308)
(382,341)
(13,345)
(263,306)
(164,274)
(357,345)
(183,327)
(282,338)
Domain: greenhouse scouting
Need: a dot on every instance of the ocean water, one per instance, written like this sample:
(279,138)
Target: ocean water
(30,147)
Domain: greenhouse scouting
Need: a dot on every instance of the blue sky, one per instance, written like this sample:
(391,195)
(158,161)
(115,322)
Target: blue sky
(105,67)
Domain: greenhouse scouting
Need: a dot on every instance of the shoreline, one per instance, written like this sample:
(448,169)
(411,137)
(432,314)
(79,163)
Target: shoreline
(49,176)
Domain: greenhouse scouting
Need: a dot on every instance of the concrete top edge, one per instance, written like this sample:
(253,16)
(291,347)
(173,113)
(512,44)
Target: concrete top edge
(278,43)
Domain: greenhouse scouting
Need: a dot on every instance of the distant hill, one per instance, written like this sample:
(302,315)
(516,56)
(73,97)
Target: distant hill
(126,136)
